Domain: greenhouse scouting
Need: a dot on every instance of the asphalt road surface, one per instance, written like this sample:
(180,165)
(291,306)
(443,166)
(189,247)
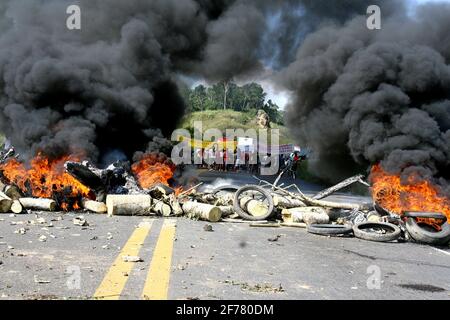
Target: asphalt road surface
(178,259)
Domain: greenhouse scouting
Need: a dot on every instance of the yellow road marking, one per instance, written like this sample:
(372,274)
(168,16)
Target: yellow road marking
(116,278)
(157,284)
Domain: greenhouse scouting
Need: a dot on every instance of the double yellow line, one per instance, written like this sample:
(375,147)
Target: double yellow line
(157,282)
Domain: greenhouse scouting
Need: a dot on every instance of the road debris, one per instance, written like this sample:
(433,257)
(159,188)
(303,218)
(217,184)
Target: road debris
(21,231)
(120,189)
(273,239)
(256,288)
(208,228)
(80,221)
(40,280)
(132,259)
(40,220)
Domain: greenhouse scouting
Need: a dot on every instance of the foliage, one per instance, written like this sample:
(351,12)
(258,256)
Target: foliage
(229,119)
(249,97)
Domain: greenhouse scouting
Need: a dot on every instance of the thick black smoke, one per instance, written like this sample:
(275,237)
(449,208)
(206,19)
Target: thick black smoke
(293,20)
(364,96)
(112,85)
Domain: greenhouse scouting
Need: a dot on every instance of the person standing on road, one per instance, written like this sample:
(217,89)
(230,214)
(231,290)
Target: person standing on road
(211,158)
(238,155)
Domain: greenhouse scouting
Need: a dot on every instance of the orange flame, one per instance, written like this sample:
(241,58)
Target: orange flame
(153,168)
(47,179)
(413,195)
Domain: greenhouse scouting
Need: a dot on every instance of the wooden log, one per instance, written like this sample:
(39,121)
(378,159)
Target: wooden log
(224,199)
(160,191)
(254,207)
(206,197)
(38,204)
(309,215)
(287,202)
(218,199)
(94,206)
(128,205)
(161,208)
(226,210)
(202,211)
(175,205)
(243,202)
(5,203)
(325,193)
(16,206)
(13,192)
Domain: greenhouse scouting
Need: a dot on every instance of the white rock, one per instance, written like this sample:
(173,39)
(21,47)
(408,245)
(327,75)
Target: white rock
(132,259)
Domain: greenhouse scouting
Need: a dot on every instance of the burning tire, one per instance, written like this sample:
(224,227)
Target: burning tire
(255,189)
(328,229)
(377,231)
(423,235)
(418,214)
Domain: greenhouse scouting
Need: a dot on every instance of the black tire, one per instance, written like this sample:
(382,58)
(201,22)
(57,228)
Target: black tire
(429,237)
(245,215)
(229,187)
(381,210)
(417,214)
(360,232)
(328,229)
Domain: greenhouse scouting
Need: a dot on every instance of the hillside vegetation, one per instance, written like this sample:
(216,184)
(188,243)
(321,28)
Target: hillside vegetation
(229,119)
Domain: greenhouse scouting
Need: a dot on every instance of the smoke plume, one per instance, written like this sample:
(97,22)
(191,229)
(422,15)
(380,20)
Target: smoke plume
(364,96)
(111,85)
(293,20)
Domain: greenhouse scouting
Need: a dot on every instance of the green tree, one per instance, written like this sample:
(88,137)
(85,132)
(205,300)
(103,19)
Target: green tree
(236,97)
(215,96)
(254,96)
(273,111)
(228,95)
(198,98)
